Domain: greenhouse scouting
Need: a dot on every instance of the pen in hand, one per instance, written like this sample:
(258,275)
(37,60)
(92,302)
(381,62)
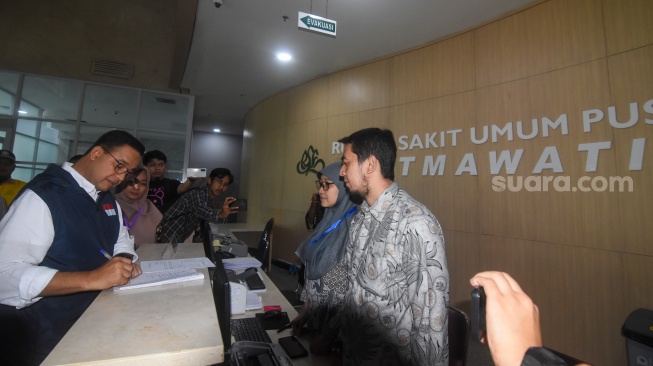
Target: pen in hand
(284,328)
(105,254)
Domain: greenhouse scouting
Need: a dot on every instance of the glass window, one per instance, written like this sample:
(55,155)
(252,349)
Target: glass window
(167,112)
(8,85)
(172,145)
(110,106)
(26,172)
(44,141)
(50,98)
(88,135)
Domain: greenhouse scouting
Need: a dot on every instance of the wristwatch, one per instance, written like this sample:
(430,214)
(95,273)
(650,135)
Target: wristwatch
(540,356)
(125,255)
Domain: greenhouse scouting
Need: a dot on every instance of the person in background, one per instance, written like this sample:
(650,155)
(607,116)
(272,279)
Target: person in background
(323,253)
(9,187)
(512,322)
(398,281)
(139,214)
(163,192)
(197,205)
(54,244)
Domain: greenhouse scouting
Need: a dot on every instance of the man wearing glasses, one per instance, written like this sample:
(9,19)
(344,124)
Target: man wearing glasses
(197,205)
(52,241)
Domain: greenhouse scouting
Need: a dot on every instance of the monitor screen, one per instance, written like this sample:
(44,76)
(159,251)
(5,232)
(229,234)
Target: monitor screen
(222,299)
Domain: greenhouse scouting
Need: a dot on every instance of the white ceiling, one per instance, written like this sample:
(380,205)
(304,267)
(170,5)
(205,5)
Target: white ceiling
(232,64)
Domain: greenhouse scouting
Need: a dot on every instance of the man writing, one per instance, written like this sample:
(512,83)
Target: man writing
(51,244)
(398,282)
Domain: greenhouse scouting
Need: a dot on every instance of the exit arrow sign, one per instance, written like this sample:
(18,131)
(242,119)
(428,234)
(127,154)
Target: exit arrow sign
(316,24)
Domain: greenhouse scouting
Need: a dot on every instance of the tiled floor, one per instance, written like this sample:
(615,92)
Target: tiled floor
(477,354)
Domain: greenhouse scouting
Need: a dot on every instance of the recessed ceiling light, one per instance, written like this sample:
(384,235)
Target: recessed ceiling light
(282,56)
(216,130)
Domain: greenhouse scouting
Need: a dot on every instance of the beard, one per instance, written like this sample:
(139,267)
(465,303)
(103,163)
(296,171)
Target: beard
(355,196)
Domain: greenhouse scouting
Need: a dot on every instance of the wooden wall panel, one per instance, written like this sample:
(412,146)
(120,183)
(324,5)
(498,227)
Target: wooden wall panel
(308,101)
(344,125)
(439,69)
(578,316)
(631,81)
(271,113)
(455,211)
(638,271)
(627,24)
(298,187)
(546,37)
(360,88)
(585,258)
(265,169)
(463,262)
(558,217)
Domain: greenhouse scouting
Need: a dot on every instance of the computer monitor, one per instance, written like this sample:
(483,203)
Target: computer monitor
(222,299)
(207,241)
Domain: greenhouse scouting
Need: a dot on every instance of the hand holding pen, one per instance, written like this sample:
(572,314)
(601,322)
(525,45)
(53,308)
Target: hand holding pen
(117,271)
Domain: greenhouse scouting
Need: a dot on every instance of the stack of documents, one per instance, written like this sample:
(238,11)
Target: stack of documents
(157,273)
(241,263)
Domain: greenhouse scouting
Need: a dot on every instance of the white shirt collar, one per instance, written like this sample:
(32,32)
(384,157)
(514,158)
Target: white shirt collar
(85,184)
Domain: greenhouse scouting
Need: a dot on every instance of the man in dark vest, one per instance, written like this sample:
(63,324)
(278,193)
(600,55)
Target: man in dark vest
(52,241)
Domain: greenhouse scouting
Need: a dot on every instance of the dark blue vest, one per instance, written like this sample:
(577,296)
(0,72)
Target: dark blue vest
(81,228)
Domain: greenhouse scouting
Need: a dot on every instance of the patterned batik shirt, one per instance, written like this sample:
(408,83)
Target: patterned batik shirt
(186,214)
(396,304)
(325,296)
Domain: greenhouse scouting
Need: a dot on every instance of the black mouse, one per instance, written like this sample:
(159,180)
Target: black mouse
(271,314)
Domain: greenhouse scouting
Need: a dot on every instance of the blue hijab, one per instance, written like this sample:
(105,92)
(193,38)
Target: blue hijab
(324,249)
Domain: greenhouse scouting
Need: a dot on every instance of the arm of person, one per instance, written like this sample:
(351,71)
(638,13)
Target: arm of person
(183,187)
(125,244)
(26,234)
(512,319)
(425,245)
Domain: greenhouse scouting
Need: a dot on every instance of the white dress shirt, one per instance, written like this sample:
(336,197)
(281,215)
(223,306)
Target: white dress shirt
(26,234)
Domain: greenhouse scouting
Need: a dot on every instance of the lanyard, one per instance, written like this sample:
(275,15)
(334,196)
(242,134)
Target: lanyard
(333,227)
(130,223)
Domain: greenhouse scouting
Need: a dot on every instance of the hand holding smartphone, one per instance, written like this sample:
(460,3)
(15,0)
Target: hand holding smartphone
(241,203)
(478,314)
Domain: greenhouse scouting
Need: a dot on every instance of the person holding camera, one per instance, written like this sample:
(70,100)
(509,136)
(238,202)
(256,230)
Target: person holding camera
(197,205)
(513,324)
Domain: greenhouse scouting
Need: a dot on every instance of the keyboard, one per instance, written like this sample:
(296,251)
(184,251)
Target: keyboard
(254,282)
(249,329)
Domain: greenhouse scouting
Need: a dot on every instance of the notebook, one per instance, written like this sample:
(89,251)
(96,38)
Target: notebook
(149,279)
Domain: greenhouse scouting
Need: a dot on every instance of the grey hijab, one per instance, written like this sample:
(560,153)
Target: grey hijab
(328,250)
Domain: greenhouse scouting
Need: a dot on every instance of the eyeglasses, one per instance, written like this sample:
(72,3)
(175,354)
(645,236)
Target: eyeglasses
(322,184)
(120,168)
(220,182)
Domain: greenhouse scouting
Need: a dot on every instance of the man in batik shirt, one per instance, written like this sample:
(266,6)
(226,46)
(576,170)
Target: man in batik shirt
(398,282)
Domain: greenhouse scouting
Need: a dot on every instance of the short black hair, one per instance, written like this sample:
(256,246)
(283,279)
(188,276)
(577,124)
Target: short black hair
(154,154)
(221,173)
(117,138)
(377,142)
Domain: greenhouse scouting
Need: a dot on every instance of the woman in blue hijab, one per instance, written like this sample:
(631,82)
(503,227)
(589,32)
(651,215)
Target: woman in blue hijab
(323,255)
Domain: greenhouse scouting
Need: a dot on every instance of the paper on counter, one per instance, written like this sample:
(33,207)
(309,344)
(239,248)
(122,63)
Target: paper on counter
(161,278)
(175,264)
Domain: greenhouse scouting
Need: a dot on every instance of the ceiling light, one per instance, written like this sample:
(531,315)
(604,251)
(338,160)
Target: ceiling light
(282,56)
(216,130)
(22,112)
